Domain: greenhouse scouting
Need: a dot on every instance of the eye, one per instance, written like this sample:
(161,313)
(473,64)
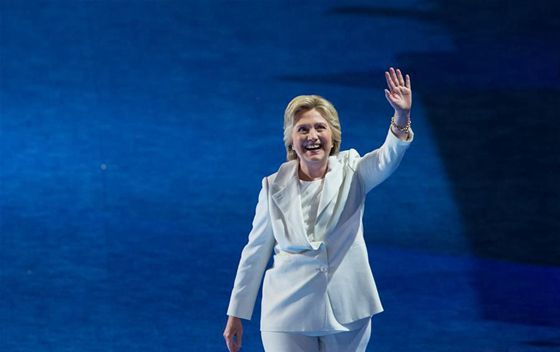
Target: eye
(302,129)
(321,127)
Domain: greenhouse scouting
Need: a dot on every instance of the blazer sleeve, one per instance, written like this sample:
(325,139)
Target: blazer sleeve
(253,262)
(376,166)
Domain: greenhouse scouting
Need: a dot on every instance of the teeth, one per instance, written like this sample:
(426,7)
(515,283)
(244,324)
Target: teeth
(313,147)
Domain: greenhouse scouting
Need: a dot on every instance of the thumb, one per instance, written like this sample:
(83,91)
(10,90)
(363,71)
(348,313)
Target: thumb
(388,97)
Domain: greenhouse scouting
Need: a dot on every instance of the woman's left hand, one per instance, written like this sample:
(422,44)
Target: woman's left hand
(399,94)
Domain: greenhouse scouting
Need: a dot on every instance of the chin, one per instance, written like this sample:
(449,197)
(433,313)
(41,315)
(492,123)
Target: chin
(317,157)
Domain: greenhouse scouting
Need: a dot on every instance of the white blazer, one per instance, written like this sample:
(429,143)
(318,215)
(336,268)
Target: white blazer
(306,277)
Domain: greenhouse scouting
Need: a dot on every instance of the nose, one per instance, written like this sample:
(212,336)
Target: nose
(312,135)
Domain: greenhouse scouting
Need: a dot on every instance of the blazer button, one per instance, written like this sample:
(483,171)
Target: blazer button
(324,269)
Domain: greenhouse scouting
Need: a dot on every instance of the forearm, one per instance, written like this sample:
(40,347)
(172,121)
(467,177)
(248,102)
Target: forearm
(374,167)
(254,258)
(250,271)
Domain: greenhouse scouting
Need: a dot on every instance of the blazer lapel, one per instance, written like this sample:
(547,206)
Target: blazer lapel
(285,193)
(331,187)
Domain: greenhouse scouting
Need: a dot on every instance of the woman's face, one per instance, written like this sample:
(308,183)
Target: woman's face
(312,138)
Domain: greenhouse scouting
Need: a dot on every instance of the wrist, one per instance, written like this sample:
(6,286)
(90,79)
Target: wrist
(402,115)
(403,136)
(400,129)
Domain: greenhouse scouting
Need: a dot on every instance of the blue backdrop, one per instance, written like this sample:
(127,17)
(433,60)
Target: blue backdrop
(134,135)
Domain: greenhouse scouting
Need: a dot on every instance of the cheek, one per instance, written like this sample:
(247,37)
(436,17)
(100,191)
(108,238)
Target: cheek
(296,145)
(329,139)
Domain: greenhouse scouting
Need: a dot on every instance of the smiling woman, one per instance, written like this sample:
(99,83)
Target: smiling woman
(311,139)
(323,108)
(319,295)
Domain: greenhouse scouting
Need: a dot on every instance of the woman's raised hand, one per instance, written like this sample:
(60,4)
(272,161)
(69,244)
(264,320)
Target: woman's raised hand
(399,94)
(233,334)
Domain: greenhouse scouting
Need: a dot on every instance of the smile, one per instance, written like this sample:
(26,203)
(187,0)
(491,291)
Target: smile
(313,147)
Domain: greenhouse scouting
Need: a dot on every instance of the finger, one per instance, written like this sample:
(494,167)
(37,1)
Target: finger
(390,83)
(230,346)
(400,77)
(239,339)
(230,343)
(408,82)
(388,96)
(394,77)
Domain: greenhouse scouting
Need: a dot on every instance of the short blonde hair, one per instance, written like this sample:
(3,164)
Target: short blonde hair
(303,103)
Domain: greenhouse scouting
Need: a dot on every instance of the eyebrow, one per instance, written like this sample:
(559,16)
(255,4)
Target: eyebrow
(310,124)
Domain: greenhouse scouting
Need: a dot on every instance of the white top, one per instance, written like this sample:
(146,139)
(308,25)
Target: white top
(310,195)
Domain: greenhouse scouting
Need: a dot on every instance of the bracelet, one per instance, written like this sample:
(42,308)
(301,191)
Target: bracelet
(406,128)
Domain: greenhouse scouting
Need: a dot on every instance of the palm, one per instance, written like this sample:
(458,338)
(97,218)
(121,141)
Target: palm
(399,94)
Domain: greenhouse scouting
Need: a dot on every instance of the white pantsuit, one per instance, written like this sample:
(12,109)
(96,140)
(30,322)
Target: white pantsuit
(313,283)
(355,341)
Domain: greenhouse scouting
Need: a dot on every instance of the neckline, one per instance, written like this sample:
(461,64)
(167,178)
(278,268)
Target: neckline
(305,181)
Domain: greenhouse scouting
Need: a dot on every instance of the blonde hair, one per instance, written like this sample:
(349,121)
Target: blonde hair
(303,103)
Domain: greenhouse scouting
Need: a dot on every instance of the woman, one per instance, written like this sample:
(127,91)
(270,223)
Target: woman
(319,294)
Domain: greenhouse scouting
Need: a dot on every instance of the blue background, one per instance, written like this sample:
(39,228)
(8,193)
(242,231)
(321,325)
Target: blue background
(134,135)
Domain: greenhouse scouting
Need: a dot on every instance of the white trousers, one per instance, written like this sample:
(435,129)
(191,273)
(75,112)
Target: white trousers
(347,341)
